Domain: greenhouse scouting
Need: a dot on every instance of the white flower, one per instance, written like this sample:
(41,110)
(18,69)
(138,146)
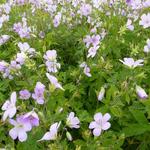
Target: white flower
(100,123)
(72,121)
(52,134)
(101,94)
(131,63)
(20,129)
(54,81)
(9,107)
(141,92)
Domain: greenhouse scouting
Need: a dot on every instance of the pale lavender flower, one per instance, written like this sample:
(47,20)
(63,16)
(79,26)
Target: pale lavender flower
(54,81)
(100,123)
(4,39)
(10,107)
(42,34)
(87,40)
(24,94)
(53,131)
(131,63)
(57,19)
(147,47)
(95,40)
(25,48)
(129,25)
(3,66)
(72,121)
(51,61)
(86,9)
(32,118)
(101,94)
(21,58)
(38,94)
(50,55)
(20,129)
(145,20)
(141,92)
(86,69)
(92,51)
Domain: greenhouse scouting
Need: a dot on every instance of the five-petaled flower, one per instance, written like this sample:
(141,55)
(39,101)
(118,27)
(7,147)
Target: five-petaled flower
(100,123)
(10,107)
(131,63)
(72,121)
(20,129)
(52,133)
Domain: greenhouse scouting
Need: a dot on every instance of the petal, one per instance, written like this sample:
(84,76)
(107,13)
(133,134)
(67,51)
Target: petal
(13,97)
(92,125)
(5,105)
(13,133)
(12,112)
(97,132)
(5,115)
(71,115)
(47,136)
(22,135)
(27,127)
(12,122)
(97,117)
(106,117)
(106,126)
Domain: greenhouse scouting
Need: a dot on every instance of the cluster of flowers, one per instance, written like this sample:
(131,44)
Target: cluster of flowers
(22,28)
(24,123)
(4,13)
(8,70)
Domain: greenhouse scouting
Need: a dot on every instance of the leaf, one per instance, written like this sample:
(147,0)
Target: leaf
(135,129)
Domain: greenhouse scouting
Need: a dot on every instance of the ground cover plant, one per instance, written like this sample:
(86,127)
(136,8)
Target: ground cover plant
(75,74)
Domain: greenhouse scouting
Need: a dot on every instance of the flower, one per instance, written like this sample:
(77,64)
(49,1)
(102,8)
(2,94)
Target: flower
(86,69)
(72,121)
(10,107)
(25,48)
(50,55)
(38,94)
(141,92)
(52,134)
(131,63)
(51,61)
(54,81)
(147,47)
(92,51)
(4,39)
(20,129)
(101,94)
(100,123)
(145,20)
(24,94)
(32,118)
(129,25)
(86,9)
